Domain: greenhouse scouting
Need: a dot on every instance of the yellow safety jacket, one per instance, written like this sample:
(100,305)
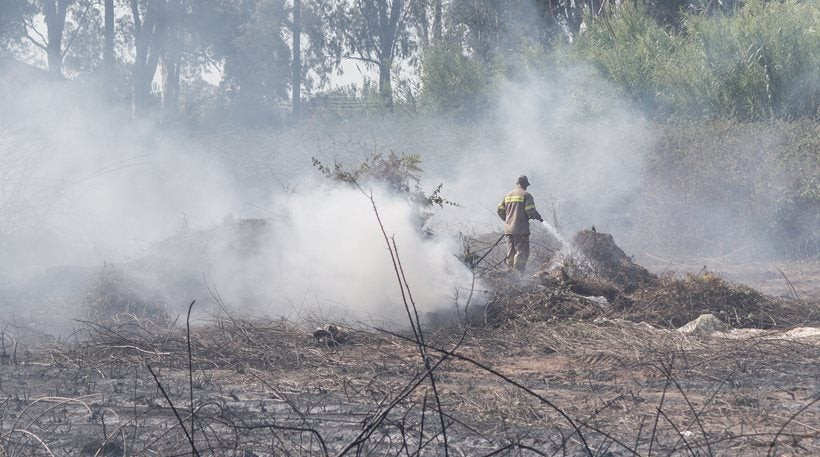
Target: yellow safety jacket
(517,208)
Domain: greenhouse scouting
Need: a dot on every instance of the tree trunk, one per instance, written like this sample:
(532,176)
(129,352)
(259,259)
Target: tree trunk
(149,70)
(437,21)
(108,49)
(389,26)
(385,86)
(170,86)
(148,31)
(140,49)
(422,25)
(296,81)
(54,12)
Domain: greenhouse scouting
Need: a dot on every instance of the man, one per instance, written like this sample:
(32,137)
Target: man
(517,208)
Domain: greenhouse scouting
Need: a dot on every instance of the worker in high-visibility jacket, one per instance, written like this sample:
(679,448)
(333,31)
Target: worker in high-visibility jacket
(517,208)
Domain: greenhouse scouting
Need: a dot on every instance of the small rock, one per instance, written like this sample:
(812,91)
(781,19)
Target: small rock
(704,325)
(599,300)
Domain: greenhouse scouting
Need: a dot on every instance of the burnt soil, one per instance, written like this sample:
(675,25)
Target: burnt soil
(268,388)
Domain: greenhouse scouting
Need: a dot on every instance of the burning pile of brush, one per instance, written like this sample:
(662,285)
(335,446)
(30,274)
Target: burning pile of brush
(592,277)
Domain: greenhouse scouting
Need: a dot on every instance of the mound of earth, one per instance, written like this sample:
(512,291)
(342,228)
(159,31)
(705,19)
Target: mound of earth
(609,263)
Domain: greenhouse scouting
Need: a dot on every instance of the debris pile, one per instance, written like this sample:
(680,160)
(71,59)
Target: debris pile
(595,278)
(672,302)
(590,278)
(610,263)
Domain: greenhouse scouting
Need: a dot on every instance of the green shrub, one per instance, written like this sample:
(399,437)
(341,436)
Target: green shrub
(400,173)
(759,63)
(764,60)
(455,84)
(627,48)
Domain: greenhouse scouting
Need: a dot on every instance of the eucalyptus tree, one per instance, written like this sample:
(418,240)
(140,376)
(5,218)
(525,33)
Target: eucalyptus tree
(166,36)
(12,29)
(427,14)
(176,39)
(183,52)
(257,60)
(148,26)
(65,21)
(268,51)
(489,29)
(55,15)
(296,65)
(108,45)
(377,32)
(316,49)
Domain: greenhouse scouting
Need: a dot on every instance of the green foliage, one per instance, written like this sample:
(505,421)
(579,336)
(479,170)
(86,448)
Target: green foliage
(12,13)
(627,47)
(491,29)
(323,52)
(406,94)
(258,71)
(759,63)
(374,31)
(453,83)
(400,173)
(83,23)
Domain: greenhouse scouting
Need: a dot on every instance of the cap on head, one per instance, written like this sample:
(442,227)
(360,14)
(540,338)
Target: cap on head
(523,181)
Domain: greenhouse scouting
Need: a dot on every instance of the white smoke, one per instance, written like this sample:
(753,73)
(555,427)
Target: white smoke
(582,149)
(101,189)
(90,190)
(325,254)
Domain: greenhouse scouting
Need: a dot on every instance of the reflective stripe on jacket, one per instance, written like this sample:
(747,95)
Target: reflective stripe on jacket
(517,208)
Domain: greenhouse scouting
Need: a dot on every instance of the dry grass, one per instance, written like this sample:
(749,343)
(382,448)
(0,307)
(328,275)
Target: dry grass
(269,388)
(674,302)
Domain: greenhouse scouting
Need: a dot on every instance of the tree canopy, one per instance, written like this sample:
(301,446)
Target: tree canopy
(258,61)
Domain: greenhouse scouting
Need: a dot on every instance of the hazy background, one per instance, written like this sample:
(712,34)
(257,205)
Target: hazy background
(82,191)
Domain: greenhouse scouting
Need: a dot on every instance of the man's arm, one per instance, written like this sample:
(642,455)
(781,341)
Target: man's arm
(529,207)
(502,211)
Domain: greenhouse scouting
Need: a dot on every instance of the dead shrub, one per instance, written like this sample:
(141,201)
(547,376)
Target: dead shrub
(114,294)
(675,301)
